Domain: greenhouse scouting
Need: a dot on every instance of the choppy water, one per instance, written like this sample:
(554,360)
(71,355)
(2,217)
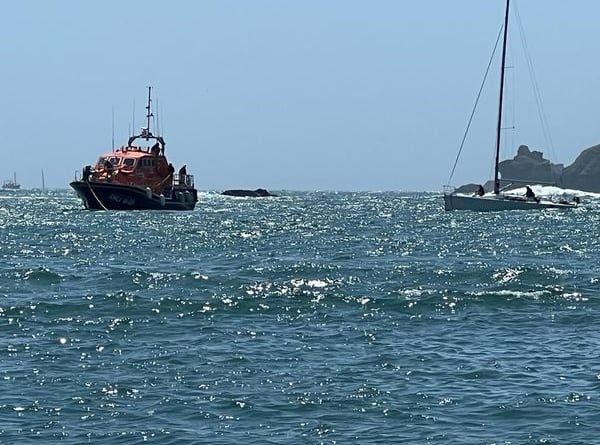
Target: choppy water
(370,318)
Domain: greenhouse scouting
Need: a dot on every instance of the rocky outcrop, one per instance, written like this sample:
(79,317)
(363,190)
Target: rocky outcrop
(531,166)
(258,193)
(472,188)
(584,173)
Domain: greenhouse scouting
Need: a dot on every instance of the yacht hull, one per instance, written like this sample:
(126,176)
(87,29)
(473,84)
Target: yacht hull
(494,203)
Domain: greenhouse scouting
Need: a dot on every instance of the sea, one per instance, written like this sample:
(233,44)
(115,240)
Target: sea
(308,318)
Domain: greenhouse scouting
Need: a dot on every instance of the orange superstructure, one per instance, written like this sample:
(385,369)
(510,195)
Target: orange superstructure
(135,166)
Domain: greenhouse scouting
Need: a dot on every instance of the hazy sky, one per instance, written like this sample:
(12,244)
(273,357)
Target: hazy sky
(282,94)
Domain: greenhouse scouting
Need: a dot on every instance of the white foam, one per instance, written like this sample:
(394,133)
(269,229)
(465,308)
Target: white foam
(548,191)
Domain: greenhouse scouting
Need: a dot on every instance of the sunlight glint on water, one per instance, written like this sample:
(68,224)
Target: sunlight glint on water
(309,318)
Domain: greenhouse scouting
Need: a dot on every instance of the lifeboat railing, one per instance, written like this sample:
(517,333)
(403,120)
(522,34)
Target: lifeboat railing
(183,180)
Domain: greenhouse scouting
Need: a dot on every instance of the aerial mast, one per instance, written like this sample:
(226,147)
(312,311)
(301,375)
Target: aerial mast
(112,118)
(149,113)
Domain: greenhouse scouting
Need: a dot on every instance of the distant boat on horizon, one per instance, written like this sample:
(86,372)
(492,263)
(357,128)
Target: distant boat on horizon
(11,184)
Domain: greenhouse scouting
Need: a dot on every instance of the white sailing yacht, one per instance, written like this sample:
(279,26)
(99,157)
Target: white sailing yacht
(497,200)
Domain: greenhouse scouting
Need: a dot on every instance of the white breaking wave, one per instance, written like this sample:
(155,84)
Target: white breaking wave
(548,191)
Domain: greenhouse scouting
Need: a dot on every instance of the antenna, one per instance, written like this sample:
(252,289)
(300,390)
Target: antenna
(162,126)
(157,119)
(133,121)
(113,127)
(149,112)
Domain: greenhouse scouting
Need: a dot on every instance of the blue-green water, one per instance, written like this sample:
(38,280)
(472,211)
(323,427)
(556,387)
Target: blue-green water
(332,318)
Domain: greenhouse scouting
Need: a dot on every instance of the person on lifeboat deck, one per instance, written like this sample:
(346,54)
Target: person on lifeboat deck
(183,175)
(87,172)
(108,166)
(155,150)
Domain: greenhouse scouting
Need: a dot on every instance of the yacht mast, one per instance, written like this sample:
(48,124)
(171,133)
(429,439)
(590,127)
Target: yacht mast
(499,127)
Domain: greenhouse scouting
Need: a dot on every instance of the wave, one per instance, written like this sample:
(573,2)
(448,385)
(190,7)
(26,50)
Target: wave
(40,275)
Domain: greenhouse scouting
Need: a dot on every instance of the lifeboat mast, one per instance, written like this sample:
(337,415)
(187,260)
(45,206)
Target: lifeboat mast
(146,133)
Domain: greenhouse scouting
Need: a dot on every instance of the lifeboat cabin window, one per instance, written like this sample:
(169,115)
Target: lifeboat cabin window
(147,162)
(113,160)
(129,162)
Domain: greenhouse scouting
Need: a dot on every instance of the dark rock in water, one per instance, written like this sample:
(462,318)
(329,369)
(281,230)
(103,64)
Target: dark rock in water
(530,167)
(469,188)
(258,193)
(487,187)
(584,173)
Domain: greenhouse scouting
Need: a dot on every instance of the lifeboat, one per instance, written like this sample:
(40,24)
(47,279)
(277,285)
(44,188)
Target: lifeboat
(136,177)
